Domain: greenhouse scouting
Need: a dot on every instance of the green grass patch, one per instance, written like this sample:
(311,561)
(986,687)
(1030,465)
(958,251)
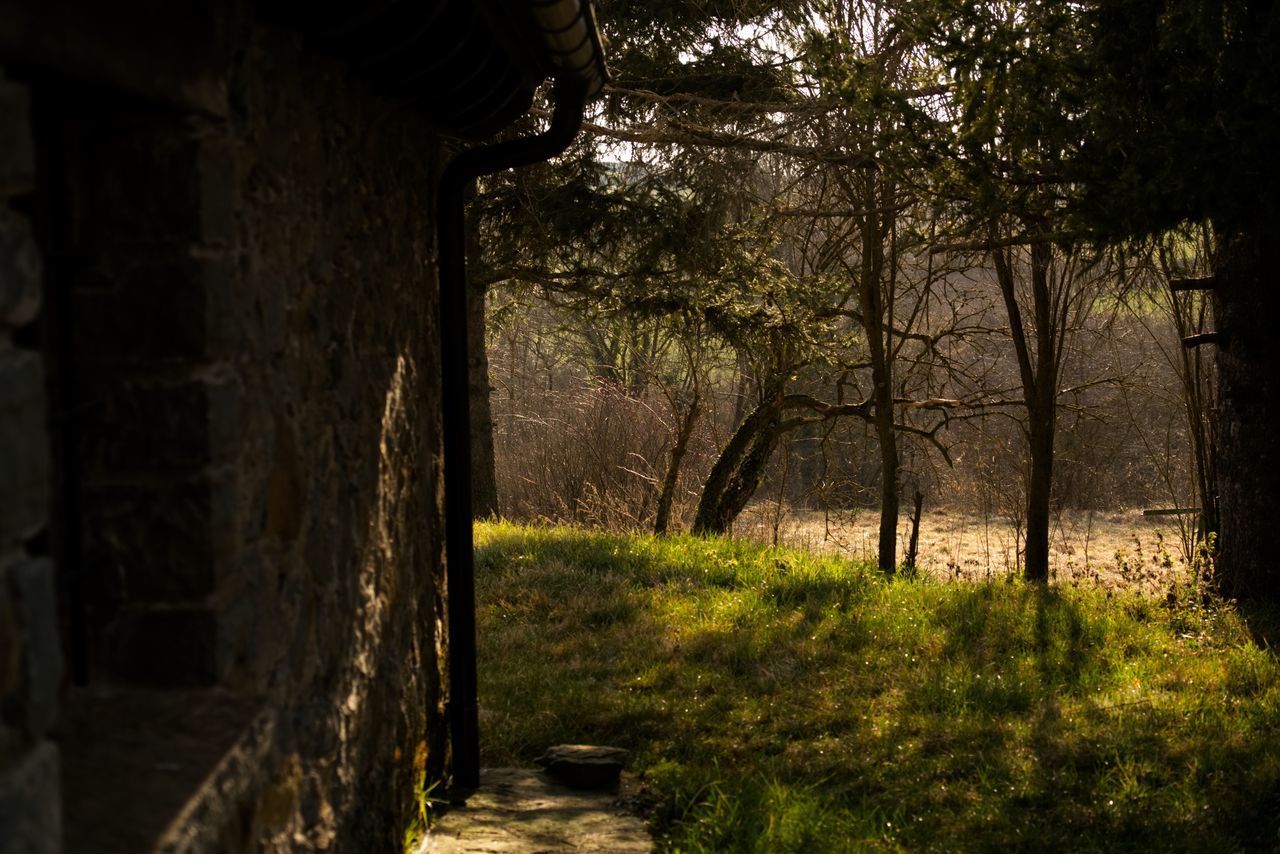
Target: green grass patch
(781,701)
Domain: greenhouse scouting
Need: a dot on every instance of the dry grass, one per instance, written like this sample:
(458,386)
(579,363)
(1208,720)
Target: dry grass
(1114,548)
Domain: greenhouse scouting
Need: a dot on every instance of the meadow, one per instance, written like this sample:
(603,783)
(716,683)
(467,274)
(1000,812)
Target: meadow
(1113,548)
(781,700)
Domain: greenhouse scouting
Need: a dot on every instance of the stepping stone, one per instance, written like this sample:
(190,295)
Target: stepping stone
(584,766)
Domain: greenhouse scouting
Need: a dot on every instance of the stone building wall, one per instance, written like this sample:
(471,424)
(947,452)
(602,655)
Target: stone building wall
(339,467)
(243,320)
(30,657)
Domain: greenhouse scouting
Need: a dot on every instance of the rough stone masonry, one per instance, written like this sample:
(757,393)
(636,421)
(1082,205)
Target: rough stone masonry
(219,411)
(30,654)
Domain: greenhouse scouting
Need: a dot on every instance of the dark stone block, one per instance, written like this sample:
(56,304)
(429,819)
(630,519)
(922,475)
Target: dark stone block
(237,620)
(174,53)
(286,487)
(138,426)
(20,270)
(30,809)
(170,647)
(136,758)
(174,311)
(24,447)
(33,706)
(17,154)
(152,180)
(161,542)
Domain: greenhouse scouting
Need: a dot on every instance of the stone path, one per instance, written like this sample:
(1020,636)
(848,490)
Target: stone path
(518,811)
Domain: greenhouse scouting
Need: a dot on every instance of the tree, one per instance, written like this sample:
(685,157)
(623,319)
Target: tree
(1181,126)
(633,247)
(682,48)
(1013,81)
(1149,115)
(1060,296)
(859,58)
(850,184)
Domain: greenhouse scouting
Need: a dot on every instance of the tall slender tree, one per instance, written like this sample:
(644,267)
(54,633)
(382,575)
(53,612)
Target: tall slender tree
(1013,79)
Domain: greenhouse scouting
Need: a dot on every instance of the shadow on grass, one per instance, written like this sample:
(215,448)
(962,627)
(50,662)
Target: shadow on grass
(773,697)
(1263,621)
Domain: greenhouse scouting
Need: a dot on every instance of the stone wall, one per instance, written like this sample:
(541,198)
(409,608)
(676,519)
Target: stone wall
(30,657)
(339,467)
(245,326)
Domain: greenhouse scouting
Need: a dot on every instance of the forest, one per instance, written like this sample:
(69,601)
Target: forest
(822,263)
(871,419)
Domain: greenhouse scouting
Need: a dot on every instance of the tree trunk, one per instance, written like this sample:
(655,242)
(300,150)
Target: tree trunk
(662,518)
(1248,431)
(737,473)
(887,553)
(749,476)
(1039,375)
(484,480)
(1039,485)
(876,327)
(1042,412)
(743,389)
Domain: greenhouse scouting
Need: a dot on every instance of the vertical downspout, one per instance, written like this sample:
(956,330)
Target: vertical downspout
(570,97)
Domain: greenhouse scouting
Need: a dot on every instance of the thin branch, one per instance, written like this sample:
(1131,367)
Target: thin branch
(992,243)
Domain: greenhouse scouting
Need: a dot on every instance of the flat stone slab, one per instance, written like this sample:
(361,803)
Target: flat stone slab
(584,766)
(520,811)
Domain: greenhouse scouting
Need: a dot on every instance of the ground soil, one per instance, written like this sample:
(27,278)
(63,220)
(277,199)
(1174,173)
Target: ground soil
(1120,548)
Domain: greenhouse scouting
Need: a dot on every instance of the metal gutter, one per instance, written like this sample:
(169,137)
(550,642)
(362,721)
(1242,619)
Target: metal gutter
(570,37)
(570,34)
(566,120)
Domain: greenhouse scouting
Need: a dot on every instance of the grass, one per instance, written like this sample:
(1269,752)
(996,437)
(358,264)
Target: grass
(781,701)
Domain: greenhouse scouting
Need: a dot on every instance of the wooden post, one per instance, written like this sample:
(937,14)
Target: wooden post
(1203,283)
(1203,338)
(915,531)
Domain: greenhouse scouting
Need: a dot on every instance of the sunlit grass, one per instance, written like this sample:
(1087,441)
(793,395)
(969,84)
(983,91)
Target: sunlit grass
(781,701)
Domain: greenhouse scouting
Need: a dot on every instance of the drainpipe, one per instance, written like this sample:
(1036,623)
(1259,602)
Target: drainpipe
(570,97)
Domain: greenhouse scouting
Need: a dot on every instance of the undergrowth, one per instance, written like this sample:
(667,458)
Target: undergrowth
(781,701)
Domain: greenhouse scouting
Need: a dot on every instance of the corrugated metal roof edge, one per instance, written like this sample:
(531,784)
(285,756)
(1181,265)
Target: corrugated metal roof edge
(570,34)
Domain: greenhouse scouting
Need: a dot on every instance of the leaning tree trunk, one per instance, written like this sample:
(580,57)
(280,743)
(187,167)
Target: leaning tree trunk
(1248,430)
(739,470)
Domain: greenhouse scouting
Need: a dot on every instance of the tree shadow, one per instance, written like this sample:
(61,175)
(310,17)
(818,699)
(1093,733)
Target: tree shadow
(962,712)
(1263,622)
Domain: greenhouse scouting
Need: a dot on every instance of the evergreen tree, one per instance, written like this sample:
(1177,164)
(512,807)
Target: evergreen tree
(1182,125)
